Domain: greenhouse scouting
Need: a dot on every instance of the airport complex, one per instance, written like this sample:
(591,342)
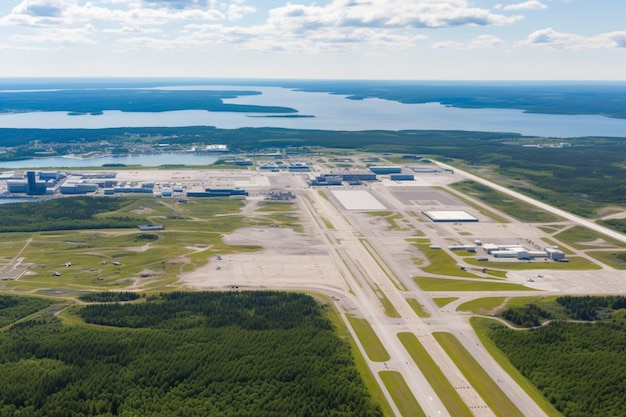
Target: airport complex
(367,226)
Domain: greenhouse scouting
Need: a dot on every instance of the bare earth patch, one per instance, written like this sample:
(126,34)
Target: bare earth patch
(596,242)
(287,260)
(138,249)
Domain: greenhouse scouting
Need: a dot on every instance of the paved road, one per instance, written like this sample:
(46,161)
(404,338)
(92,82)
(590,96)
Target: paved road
(366,276)
(569,216)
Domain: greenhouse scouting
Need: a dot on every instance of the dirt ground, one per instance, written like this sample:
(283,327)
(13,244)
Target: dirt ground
(287,260)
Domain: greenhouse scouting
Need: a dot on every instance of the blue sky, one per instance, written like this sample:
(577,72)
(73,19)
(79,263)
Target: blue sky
(337,39)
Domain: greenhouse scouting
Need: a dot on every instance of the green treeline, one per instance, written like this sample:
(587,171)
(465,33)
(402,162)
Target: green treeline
(96,101)
(72,213)
(591,307)
(184,354)
(13,308)
(615,224)
(109,297)
(579,367)
(529,315)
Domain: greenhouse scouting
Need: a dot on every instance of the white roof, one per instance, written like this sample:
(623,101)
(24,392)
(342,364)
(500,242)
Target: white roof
(450,216)
(358,200)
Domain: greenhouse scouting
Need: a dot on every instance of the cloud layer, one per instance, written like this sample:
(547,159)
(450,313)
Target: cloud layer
(334,26)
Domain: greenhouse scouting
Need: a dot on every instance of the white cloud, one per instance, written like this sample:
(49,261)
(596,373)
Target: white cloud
(385,14)
(81,35)
(527,5)
(127,12)
(480,42)
(339,25)
(549,38)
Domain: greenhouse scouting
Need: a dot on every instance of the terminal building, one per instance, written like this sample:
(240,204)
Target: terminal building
(517,251)
(30,186)
(218,192)
(385,169)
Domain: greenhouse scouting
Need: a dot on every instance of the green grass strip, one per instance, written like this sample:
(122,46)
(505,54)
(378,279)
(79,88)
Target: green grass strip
(418,308)
(371,343)
(366,373)
(439,284)
(490,392)
(482,210)
(580,237)
(518,209)
(482,305)
(481,327)
(328,224)
(444,301)
(614,259)
(441,263)
(401,394)
(440,384)
(390,310)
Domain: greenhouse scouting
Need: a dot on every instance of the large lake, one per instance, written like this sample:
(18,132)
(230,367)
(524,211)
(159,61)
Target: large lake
(335,112)
(144,160)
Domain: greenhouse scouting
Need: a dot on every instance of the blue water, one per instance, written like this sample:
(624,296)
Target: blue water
(334,112)
(144,160)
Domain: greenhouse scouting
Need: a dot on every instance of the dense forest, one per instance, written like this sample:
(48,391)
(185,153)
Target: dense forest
(13,307)
(529,315)
(72,213)
(184,354)
(96,101)
(579,367)
(591,307)
(109,297)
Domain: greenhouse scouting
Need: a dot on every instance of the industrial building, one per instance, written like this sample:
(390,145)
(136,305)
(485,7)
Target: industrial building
(79,187)
(31,185)
(449,216)
(402,177)
(299,167)
(352,178)
(385,169)
(520,252)
(324,180)
(423,170)
(356,177)
(555,254)
(469,248)
(222,192)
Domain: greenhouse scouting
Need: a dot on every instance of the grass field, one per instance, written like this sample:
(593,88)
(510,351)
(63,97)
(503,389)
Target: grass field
(401,394)
(444,284)
(614,259)
(432,372)
(515,208)
(482,305)
(582,238)
(371,343)
(417,308)
(130,258)
(441,263)
(444,301)
(486,387)
(482,210)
